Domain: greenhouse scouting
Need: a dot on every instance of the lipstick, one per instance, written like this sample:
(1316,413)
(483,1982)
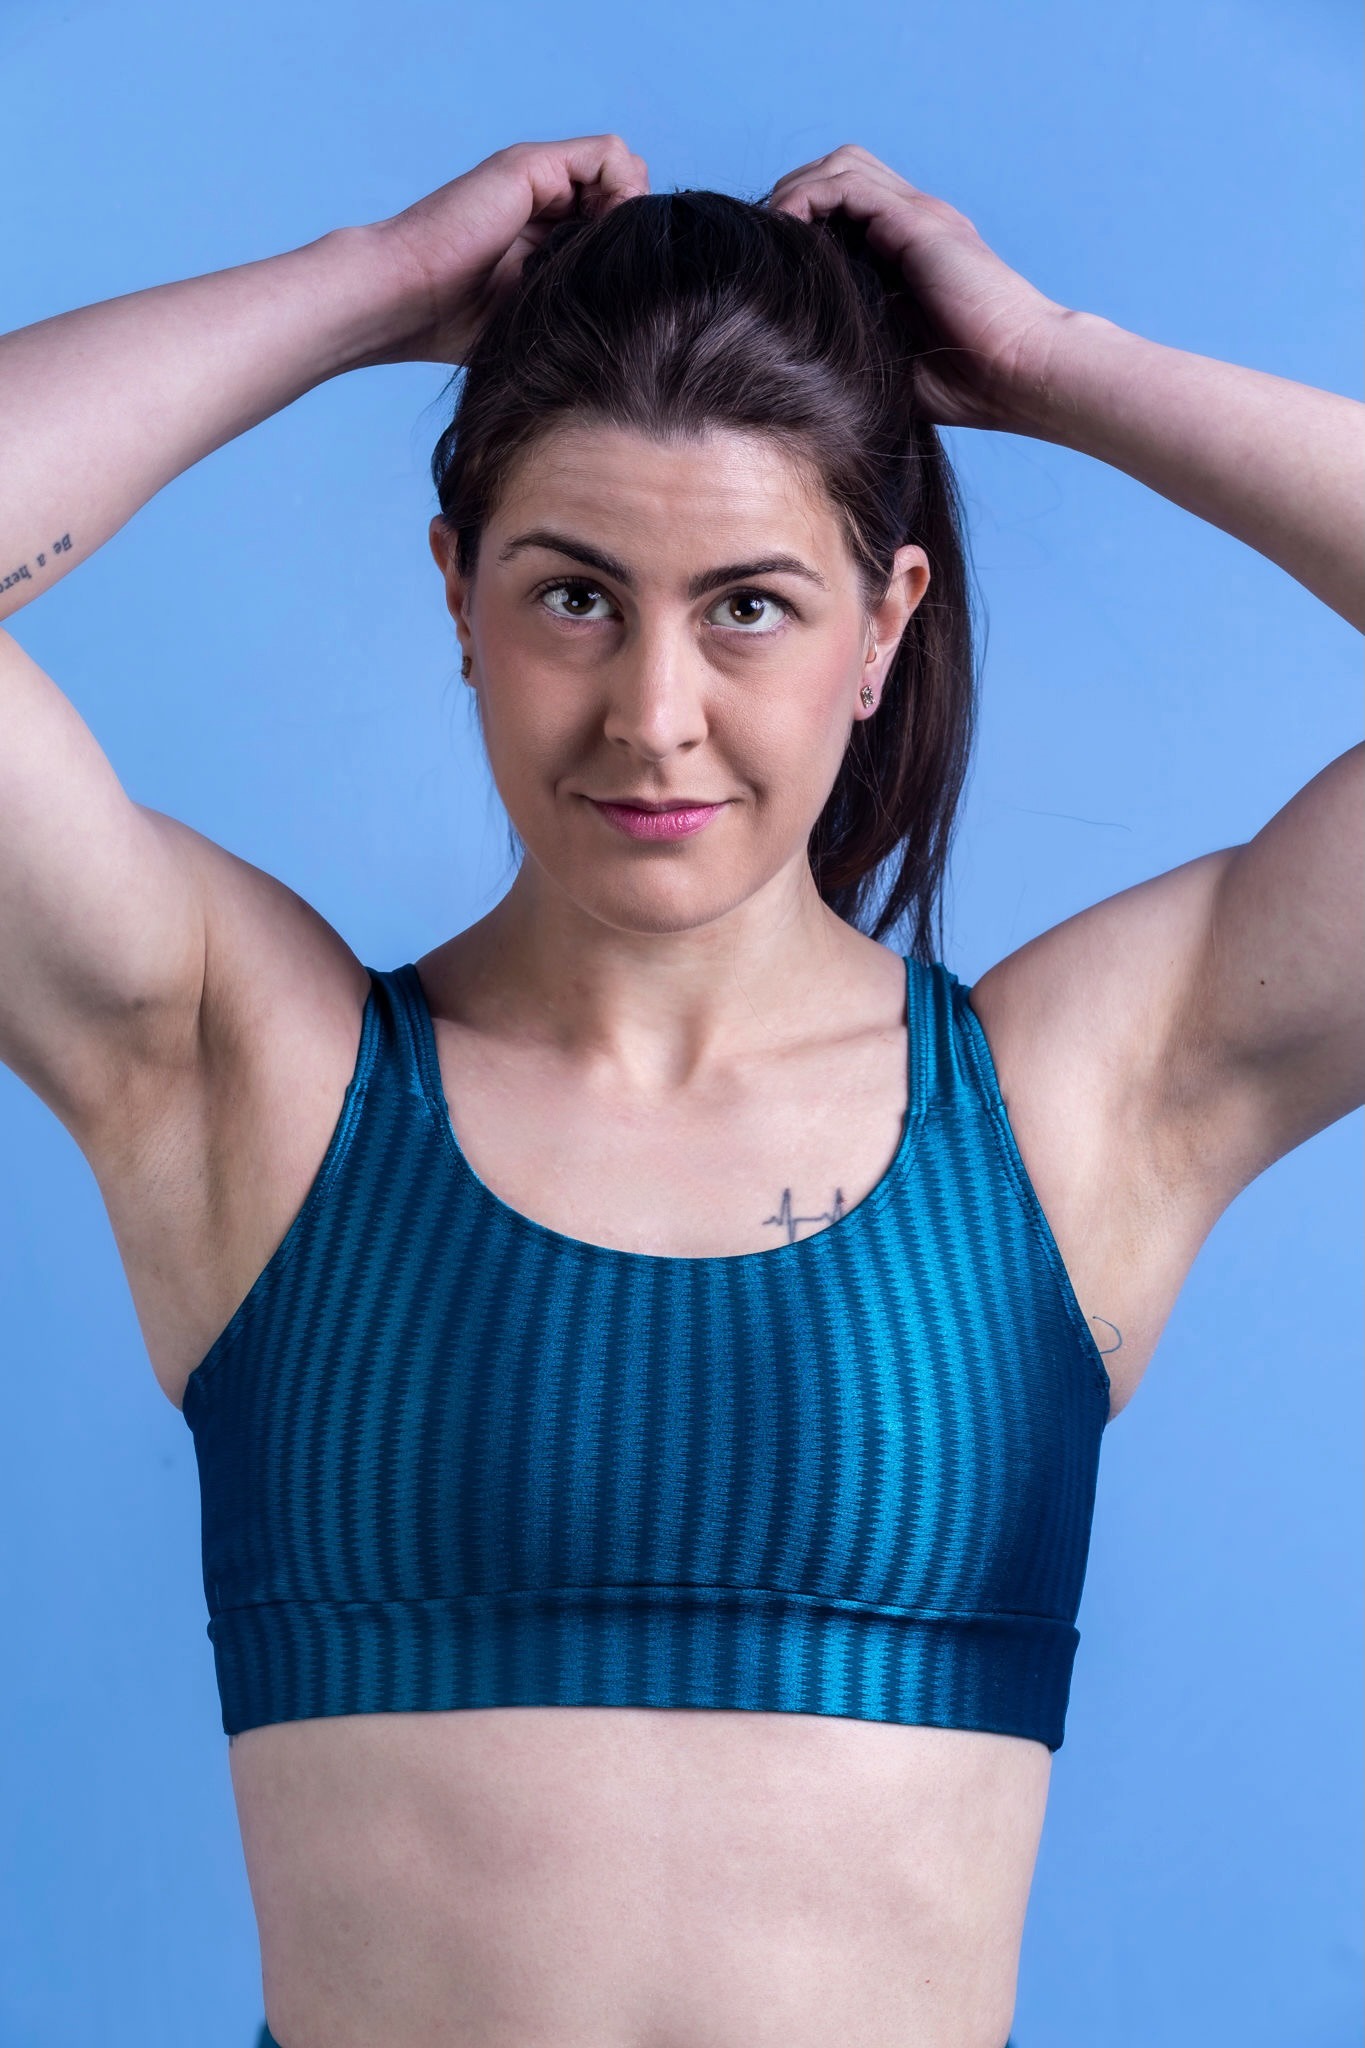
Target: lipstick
(637,822)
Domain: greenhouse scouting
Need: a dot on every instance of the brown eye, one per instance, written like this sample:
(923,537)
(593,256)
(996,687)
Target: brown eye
(753,612)
(578,597)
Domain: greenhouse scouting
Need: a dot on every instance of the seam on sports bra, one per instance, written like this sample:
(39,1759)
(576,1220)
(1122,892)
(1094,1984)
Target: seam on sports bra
(415,1016)
(919,1101)
(982,1068)
(338,1145)
(681,1586)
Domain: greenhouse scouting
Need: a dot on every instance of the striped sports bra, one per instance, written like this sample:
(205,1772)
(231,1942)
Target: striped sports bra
(450,1457)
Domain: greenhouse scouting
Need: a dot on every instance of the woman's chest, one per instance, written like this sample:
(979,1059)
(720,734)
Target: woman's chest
(759,1159)
(761,1155)
(775,1156)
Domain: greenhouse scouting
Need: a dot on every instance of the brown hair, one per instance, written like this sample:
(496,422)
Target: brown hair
(678,312)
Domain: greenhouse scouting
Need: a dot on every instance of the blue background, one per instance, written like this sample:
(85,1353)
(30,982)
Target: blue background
(264,652)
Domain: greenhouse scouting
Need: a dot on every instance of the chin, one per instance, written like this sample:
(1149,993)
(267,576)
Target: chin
(657,903)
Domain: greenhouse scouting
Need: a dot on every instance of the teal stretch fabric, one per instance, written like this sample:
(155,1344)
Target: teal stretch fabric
(449,1457)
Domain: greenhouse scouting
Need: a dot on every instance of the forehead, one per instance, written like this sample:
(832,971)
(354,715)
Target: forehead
(678,503)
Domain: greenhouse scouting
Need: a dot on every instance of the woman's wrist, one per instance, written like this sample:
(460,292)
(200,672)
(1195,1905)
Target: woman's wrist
(1054,391)
(382,298)
(1275,463)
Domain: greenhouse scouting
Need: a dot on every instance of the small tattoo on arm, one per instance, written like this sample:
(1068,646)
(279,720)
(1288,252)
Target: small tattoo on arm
(23,574)
(785,1220)
(1105,1349)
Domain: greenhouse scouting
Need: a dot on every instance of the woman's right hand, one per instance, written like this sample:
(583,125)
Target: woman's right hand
(464,244)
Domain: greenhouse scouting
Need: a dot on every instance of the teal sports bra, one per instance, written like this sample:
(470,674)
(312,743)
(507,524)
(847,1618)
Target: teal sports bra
(449,1457)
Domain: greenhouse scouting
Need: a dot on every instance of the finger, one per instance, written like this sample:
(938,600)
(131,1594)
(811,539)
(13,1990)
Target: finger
(848,156)
(561,175)
(868,172)
(814,168)
(891,215)
(606,171)
(634,174)
(639,190)
(851,192)
(628,180)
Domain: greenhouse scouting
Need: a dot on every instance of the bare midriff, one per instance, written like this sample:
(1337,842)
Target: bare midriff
(589,1877)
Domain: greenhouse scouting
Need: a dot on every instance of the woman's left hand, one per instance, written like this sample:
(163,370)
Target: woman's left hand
(996,330)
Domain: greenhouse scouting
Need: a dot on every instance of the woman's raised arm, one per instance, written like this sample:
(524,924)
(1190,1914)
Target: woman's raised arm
(105,906)
(99,408)
(1242,973)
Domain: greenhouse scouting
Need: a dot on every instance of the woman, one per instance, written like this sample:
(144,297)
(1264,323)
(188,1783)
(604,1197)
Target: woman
(647,1389)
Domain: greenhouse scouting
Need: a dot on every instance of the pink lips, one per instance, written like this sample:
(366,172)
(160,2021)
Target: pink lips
(639,823)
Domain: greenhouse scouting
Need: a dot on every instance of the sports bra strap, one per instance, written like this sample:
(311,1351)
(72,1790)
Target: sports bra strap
(409,1049)
(939,1070)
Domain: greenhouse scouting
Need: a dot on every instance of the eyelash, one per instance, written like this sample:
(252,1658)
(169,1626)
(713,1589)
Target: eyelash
(582,583)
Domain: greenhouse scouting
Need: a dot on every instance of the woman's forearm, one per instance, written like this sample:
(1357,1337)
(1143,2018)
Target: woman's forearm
(1280,465)
(100,407)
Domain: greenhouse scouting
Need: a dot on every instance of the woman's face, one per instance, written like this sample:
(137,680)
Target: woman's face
(659,624)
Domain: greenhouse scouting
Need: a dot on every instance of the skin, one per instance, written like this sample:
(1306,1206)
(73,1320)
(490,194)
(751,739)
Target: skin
(555,1878)
(635,690)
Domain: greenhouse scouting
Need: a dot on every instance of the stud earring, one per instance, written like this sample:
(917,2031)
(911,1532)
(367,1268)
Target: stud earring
(866,694)
(465,666)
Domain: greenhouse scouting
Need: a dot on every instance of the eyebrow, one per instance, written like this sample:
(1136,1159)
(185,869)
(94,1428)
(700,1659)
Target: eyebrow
(698,585)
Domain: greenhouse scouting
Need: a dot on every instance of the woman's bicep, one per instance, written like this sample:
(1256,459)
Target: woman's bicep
(102,926)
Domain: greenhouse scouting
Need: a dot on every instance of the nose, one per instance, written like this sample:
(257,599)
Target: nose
(657,697)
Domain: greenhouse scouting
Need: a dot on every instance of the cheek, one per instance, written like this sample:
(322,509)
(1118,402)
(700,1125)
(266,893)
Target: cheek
(794,738)
(532,730)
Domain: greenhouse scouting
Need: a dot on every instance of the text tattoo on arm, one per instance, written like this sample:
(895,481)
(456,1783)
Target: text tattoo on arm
(23,574)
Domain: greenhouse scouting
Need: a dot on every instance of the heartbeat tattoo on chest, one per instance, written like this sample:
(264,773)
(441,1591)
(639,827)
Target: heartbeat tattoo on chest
(785,1220)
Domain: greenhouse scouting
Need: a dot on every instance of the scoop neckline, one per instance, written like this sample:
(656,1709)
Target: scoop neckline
(579,1247)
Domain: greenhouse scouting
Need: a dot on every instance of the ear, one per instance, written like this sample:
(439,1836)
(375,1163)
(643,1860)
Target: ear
(442,544)
(889,618)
